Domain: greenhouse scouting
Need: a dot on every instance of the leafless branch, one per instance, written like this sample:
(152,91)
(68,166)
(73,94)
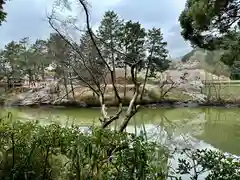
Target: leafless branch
(101,86)
(101,89)
(74,47)
(132,109)
(98,50)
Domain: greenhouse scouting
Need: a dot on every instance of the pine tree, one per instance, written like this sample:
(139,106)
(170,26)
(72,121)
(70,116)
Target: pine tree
(59,51)
(12,55)
(157,52)
(29,61)
(40,50)
(133,40)
(109,32)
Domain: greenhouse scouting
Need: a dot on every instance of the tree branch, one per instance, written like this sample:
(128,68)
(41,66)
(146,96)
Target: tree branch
(77,50)
(98,50)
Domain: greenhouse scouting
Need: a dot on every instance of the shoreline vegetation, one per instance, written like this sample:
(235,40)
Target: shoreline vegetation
(144,104)
(163,104)
(216,95)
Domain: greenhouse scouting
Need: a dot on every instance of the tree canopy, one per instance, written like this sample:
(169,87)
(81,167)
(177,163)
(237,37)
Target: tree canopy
(208,23)
(213,25)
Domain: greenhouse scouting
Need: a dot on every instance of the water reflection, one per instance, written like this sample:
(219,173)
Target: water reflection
(195,127)
(222,130)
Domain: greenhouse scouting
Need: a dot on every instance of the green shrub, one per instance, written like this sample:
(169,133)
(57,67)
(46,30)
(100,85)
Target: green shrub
(217,165)
(29,151)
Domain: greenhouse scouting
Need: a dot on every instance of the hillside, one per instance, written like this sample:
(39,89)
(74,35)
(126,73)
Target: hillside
(206,60)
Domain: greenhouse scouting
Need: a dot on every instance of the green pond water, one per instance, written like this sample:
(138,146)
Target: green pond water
(217,128)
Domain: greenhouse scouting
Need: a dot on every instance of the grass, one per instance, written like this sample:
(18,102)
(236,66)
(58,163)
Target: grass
(225,92)
(152,95)
(215,92)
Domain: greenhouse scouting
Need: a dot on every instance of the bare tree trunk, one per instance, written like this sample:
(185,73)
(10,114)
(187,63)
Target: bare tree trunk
(132,108)
(131,111)
(29,80)
(103,108)
(113,61)
(125,80)
(65,84)
(8,84)
(43,73)
(145,80)
(146,75)
(71,83)
(114,71)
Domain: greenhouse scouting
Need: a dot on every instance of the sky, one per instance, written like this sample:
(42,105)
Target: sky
(27,18)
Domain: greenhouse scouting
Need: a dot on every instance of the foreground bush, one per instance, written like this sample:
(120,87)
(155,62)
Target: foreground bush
(215,165)
(29,151)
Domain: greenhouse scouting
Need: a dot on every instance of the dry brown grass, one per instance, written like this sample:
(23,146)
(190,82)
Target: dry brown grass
(152,95)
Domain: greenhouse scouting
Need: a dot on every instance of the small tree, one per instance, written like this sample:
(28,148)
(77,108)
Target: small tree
(11,57)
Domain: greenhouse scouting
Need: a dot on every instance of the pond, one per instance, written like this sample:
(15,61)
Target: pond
(216,128)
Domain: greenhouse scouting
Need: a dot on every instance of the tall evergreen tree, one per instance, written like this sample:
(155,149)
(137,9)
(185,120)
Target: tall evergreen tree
(133,40)
(157,52)
(58,50)
(3,68)
(132,43)
(110,31)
